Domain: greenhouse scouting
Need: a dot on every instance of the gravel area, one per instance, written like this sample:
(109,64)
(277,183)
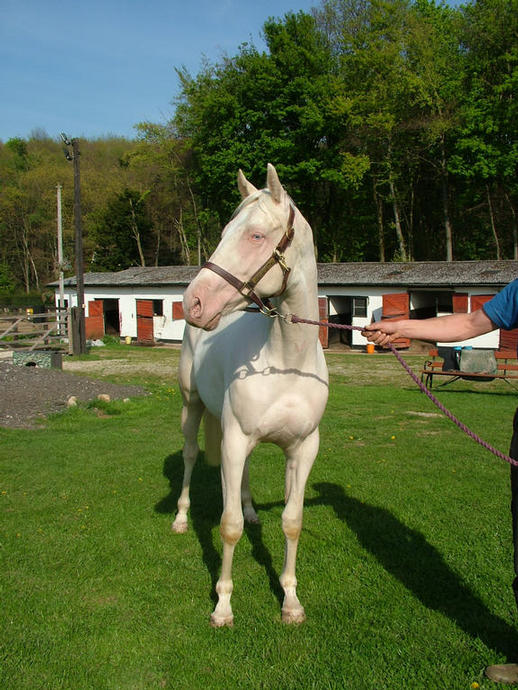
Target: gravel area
(27,394)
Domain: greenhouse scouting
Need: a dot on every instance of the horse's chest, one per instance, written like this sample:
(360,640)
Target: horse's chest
(268,399)
(280,415)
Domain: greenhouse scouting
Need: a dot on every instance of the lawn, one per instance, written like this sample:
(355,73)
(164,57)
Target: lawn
(404,566)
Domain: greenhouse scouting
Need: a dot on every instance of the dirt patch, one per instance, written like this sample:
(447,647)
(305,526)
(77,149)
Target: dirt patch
(122,367)
(30,393)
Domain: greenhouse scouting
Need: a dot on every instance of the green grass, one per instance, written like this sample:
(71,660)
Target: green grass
(404,566)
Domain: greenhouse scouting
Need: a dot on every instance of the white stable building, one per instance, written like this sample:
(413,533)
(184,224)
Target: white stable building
(145,304)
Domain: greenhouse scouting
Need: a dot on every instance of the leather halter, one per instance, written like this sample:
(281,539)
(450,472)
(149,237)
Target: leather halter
(246,288)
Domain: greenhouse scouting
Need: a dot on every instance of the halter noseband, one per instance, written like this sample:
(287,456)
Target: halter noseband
(246,288)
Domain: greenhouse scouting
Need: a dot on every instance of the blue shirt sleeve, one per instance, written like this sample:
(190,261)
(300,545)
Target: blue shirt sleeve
(502,309)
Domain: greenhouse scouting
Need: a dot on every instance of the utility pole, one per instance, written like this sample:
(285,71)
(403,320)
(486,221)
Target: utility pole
(60,253)
(78,316)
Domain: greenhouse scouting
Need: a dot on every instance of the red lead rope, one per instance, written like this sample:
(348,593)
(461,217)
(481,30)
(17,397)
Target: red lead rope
(437,403)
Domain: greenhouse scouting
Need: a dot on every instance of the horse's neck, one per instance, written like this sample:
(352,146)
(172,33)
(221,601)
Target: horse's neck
(295,344)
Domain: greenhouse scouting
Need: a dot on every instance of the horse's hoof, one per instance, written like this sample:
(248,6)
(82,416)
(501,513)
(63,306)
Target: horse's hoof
(179,527)
(251,517)
(222,621)
(503,673)
(293,617)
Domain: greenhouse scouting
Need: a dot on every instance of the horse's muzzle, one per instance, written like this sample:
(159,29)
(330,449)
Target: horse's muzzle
(196,311)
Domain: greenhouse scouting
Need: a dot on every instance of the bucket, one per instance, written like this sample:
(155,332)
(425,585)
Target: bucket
(370,348)
(127,340)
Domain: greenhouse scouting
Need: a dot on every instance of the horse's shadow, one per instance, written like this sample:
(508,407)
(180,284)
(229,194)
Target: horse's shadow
(406,554)
(403,552)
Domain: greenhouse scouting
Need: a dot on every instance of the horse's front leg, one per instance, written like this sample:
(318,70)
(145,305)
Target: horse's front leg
(299,462)
(234,451)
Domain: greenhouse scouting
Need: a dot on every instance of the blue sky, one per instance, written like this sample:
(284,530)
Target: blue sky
(97,67)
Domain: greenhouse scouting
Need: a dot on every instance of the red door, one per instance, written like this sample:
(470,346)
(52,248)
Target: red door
(478,300)
(94,322)
(397,306)
(178,311)
(323,332)
(145,321)
(460,302)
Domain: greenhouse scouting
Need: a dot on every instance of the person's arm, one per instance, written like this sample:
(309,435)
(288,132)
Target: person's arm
(450,328)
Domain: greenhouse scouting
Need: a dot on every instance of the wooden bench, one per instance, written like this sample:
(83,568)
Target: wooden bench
(506,369)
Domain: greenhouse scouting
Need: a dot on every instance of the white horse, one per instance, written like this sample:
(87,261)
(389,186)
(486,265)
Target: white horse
(255,378)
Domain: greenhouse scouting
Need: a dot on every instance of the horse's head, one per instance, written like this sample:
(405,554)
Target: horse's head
(248,263)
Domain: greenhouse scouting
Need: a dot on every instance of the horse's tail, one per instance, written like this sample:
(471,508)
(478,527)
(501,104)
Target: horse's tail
(213,436)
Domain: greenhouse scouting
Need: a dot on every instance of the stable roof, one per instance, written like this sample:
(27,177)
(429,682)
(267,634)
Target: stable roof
(414,274)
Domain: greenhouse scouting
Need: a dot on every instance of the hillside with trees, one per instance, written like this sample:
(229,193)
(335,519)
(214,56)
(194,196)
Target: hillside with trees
(393,124)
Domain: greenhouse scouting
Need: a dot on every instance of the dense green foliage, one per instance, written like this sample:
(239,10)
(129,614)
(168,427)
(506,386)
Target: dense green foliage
(122,233)
(392,123)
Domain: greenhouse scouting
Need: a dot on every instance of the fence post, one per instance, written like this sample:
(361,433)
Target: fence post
(78,331)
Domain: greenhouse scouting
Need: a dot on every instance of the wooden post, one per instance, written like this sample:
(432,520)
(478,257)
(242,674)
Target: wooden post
(60,250)
(79,340)
(78,331)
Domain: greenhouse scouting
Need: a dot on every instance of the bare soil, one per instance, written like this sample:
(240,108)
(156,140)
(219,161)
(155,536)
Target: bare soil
(27,394)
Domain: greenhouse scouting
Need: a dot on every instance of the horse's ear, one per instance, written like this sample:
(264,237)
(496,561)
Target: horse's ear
(273,183)
(246,188)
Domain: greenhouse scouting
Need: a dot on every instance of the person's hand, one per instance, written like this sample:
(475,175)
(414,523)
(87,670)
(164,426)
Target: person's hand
(381,332)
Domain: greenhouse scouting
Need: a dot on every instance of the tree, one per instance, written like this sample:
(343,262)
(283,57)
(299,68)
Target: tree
(122,233)
(262,107)
(162,161)
(28,211)
(370,40)
(6,278)
(398,65)
(436,59)
(486,154)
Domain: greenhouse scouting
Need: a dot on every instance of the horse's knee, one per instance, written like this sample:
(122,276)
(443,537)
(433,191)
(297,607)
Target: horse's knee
(231,529)
(291,527)
(190,452)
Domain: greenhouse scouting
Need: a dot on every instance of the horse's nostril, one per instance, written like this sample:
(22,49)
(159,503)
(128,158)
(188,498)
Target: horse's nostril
(196,308)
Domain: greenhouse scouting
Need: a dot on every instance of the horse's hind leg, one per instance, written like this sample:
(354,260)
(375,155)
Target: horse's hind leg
(192,413)
(246,497)
(298,466)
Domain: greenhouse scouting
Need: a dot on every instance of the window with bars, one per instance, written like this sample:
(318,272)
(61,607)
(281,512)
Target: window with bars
(360,306)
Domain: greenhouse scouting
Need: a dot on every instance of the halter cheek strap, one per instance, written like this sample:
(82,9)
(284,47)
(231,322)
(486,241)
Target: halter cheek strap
(247,288)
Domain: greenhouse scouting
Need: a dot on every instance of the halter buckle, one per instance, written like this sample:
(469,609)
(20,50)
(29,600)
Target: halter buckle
(281,260)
